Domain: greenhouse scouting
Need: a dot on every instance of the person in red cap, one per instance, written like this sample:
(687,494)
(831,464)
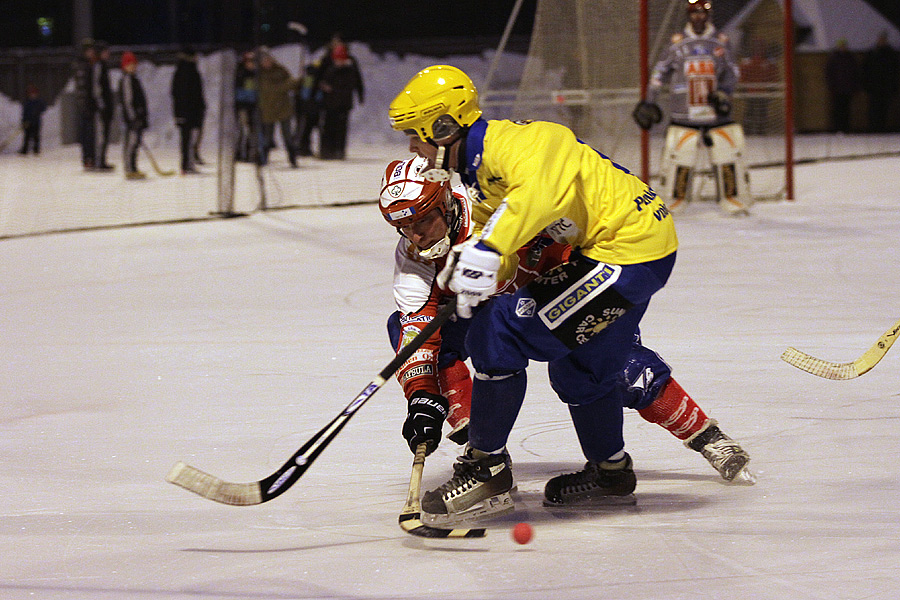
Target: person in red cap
(339,80)
(134,113)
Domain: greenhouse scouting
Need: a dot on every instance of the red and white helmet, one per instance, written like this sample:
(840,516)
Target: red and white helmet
(406,197)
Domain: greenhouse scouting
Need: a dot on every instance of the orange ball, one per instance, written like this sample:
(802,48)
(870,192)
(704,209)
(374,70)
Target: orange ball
(522,533)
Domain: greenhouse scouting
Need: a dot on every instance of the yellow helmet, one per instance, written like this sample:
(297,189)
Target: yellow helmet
(436,92)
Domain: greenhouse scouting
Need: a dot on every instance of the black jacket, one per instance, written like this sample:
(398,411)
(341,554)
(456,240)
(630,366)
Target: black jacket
(133,101)
(187,93)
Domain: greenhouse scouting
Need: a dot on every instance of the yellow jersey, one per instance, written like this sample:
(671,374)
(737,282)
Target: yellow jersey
(528,177)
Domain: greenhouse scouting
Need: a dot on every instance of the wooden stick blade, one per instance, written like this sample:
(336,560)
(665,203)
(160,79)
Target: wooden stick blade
(819,367)
(213,488)
(843,371)
(412,524)
(411,515)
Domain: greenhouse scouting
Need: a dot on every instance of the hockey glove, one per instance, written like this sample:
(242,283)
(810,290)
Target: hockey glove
(424,420)
(646,114)
(721,102)
(471,273)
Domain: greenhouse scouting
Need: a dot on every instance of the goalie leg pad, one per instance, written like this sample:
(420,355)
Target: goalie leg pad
(675,411)
(679,156)
(727,157)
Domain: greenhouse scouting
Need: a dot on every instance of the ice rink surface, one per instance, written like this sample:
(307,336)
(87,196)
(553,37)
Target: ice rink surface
(228,343)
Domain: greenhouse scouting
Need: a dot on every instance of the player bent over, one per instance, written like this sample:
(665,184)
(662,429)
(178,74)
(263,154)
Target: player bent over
(702,74)
(580,317)
(430,218)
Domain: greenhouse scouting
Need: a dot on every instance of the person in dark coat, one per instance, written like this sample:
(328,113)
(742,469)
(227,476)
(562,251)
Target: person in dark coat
(275,106)
(86,104)
(134,114)
(32,109)
(246,98)
(881,78)
(308,104)
(189,105)
(106,103)
(340,79)
(842,77)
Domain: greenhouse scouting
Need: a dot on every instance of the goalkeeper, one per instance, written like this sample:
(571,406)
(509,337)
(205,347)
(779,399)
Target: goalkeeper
(701,73)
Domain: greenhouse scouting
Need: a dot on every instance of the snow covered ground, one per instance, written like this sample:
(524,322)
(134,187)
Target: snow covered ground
(228,343)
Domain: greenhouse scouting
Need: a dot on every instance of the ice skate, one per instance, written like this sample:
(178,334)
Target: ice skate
(723,453)
(479,488)
(598,484)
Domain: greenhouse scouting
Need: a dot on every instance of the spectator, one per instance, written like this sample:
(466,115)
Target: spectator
(189,105)
(340,78)
(308,100)
(134,114)
(275,106)
(32,109)
(106,107)
(880,78)
(86,103)
(246,97)
(842,78)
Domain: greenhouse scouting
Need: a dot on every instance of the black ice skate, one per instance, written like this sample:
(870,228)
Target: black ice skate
(723,453)
(599,484)
(479,488)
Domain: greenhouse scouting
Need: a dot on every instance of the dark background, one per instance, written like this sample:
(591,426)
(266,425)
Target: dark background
(231,22)
(123,22)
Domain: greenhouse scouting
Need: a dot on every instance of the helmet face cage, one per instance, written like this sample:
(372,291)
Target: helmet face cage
(406,196)
(435,104)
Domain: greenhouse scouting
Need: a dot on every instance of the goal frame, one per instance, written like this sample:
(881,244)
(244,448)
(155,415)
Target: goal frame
(784,88)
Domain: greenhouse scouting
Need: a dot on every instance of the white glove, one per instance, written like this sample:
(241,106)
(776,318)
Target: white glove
(471,272)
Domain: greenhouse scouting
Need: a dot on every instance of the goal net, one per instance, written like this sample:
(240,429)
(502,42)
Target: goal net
(583,70)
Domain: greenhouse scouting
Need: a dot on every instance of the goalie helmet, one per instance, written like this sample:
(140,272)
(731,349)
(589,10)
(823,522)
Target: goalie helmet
(436,103)
(407,197)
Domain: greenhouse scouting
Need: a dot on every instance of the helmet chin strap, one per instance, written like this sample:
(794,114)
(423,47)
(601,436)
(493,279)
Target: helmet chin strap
(441,170)
(438,250)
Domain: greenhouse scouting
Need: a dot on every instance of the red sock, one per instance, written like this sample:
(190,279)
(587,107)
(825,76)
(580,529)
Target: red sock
(456,385)
(675,411)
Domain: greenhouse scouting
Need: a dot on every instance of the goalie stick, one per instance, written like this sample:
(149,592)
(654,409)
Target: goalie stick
(411,515)
(257,492)
(154,164)
(843,371)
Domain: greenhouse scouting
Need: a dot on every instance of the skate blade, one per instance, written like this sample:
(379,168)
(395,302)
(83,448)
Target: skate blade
(744,477)
(488,508)
(595,503)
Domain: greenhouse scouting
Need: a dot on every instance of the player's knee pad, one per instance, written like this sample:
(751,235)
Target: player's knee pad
(645,374)
(679,157)
(727,157)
